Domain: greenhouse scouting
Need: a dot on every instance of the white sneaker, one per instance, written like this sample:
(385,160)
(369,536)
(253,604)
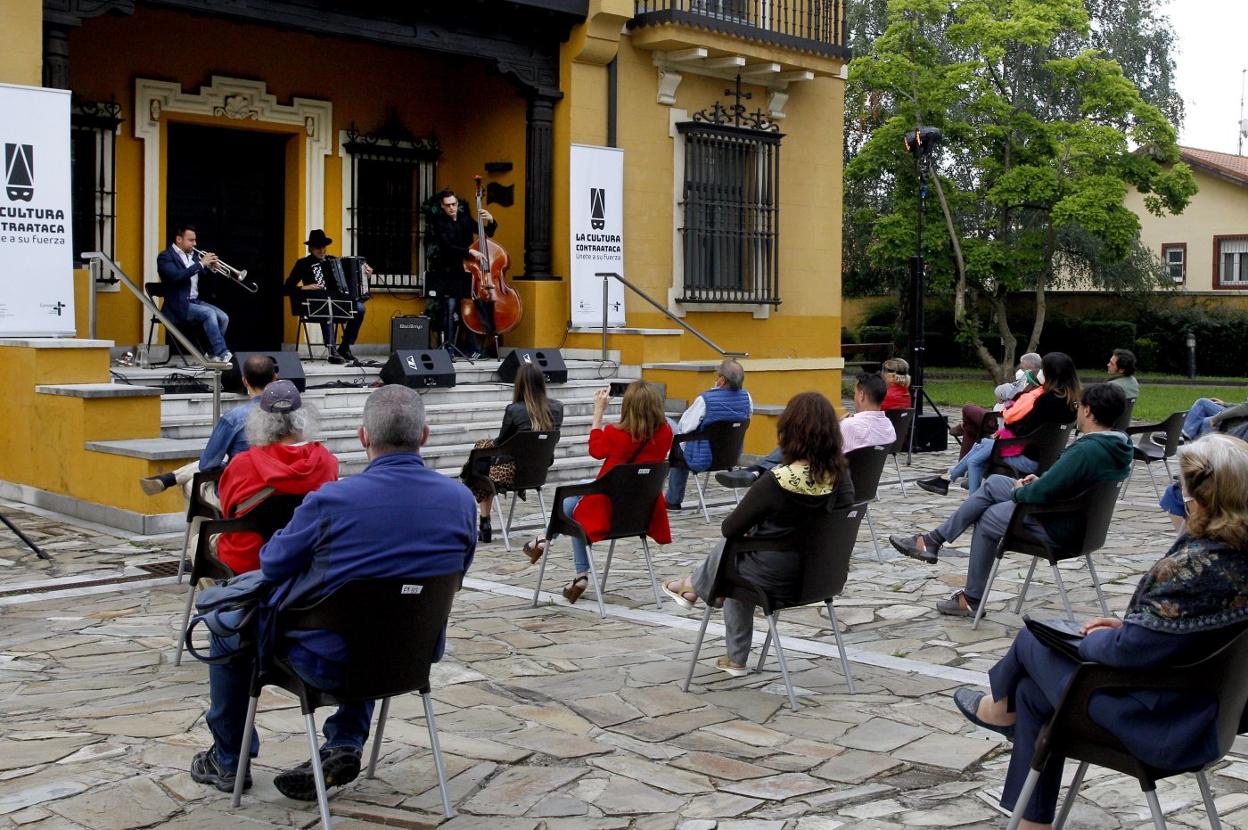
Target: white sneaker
(225,358)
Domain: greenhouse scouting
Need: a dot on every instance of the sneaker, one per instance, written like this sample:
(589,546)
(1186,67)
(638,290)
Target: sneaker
(341,765)
(737,479)
(957,605)
(937,485)
(224,357)
(154,485)
(909,546)
(206,769)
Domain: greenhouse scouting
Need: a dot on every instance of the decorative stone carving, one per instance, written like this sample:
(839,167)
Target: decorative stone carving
(776,99)
(237,107)
(669,80)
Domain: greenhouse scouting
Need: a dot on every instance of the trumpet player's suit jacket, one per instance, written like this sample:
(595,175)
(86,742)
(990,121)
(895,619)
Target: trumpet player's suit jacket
(176,279)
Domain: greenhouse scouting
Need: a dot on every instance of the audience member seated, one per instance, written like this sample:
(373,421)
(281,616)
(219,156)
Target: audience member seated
(1207,414)
(868,426)
(1053,403)
(896,373)
(724,401)
(397,518)
(1100,454)
(529,411)
(978,422)
(643,436)
(281,461)
(1121,368)
(812,473)
(1189,604)
(228,437)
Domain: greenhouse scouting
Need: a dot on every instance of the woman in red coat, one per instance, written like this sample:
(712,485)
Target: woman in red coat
(642,437)
(896,373)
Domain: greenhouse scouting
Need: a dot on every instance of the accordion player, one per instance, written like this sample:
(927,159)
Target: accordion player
(331,291)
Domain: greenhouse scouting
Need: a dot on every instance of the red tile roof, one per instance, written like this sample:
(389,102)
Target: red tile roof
(1227,166)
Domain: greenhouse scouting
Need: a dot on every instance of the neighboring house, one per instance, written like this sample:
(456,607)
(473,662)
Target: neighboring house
(1205,248)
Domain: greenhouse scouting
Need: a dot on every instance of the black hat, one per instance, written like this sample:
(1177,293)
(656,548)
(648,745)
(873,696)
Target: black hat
(318,239)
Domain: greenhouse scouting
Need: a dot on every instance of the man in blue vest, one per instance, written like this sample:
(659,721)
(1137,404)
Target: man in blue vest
(725,401)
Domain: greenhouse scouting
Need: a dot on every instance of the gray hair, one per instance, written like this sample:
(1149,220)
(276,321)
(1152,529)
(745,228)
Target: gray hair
(264,428)
(1030,361)
(394,417)
(732,373)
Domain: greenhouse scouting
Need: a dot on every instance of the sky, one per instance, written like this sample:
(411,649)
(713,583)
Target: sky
(1210,67)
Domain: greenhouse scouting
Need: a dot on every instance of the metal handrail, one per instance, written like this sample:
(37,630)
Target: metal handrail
(99,259)
(606,277)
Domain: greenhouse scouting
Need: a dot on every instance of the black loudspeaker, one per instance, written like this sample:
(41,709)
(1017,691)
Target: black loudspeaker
(409,333)
(419,368)
(550,361)
(931,433)
(289,367)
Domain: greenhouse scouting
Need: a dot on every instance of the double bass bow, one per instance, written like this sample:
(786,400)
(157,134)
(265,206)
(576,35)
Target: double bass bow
(489,283)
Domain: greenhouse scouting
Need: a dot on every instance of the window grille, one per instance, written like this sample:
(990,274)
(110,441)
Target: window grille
(93,141)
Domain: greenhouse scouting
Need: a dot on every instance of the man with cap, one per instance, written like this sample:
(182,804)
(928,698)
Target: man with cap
(310,279)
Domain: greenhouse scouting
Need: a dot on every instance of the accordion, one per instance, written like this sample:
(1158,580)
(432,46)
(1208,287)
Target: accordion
(347,280)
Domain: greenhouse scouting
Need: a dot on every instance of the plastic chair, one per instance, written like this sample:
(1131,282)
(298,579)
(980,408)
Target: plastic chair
(198,509)
(1071,732)
(1148,450)
(532,453)
(266,518)
(633,490)
(866,465)
(726,439)
(1047,444)
(1124,420)
(1095,505)
(826,544)
(902,420)
(194,332)
(389,652)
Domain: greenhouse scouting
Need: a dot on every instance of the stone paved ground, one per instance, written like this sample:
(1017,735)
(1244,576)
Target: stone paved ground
(552,718)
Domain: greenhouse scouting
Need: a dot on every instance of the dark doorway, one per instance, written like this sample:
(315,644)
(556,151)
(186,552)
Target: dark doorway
(230,184)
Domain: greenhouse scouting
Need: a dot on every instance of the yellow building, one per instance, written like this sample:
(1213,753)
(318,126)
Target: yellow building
(261,121)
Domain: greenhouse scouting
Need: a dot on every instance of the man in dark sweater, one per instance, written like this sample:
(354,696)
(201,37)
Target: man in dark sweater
(1100,454)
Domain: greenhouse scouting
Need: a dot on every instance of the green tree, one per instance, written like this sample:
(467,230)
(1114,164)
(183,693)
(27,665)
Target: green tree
(1042,140)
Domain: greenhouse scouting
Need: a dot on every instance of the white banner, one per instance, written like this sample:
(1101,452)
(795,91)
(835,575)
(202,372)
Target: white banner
(36,236)
(597,233)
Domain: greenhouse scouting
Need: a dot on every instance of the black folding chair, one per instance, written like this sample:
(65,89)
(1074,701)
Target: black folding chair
(726,438)
(532,453)
(198,509)
(866,465)
(1096,508)
(192,330)
(1124,420)
(633,490)
(1150,450)
(1046,444)
(902,420)
(1072,733)
(389,652)
(826,543)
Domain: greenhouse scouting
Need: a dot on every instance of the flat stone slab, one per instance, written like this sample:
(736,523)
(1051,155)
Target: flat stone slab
(152,449)
(100,390)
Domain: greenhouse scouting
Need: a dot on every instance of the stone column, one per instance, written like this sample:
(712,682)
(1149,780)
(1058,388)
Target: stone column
(538,184)
(55,56)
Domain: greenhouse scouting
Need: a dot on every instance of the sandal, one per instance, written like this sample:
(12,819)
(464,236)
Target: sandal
(682,597)
(573,590)
(729,667)
(535,549)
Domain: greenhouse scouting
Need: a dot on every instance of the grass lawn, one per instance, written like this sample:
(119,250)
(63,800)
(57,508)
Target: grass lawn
(1155,404)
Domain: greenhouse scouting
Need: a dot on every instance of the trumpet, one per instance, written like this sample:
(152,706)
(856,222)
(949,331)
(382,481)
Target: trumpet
(226,270)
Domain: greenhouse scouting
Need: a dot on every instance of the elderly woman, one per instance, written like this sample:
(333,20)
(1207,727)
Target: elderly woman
(281,461)
(1189,604)
(813,473)
(896,373)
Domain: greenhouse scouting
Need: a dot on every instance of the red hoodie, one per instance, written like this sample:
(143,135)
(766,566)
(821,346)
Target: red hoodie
(290,469)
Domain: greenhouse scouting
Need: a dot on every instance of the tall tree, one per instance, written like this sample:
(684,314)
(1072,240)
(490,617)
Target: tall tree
(1043,137)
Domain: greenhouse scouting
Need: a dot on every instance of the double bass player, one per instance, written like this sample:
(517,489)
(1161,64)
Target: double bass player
(452,233)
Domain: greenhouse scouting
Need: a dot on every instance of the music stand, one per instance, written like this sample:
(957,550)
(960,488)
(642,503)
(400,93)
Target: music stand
(328,310)
(452,287)
(24,538)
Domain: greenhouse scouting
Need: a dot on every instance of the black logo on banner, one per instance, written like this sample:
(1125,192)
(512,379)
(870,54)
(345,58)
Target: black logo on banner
(597,208)
(19,172)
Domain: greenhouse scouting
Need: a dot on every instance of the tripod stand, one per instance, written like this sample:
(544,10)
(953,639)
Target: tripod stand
(24,538)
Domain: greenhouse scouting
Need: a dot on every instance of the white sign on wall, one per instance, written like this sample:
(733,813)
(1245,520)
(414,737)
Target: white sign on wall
(36,235)
(597,232)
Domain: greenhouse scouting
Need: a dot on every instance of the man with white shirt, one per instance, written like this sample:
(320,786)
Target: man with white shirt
(725,401)
(181,269)
(867,427)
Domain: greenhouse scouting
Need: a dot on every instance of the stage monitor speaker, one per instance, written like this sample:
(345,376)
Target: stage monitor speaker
(931,433)
(409,333)
(289,367)
(419,368)
(550,361)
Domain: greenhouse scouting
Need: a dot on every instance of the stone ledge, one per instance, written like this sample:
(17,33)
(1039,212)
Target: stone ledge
(762,364)
(100,390)
(152,449)
(768,408)
(128,520)
(54,343)
(624,330)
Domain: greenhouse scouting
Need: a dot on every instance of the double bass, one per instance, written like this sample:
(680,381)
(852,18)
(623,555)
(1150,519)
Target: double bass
(489,284)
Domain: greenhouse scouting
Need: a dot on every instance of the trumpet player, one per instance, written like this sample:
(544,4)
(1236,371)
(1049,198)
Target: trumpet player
(310,279)
(181,268)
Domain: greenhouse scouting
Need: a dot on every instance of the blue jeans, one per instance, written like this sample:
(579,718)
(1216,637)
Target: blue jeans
(580,553)
(214,322)
(975,463)
(677,480)
(350,329)
(229,686)
(1197,423)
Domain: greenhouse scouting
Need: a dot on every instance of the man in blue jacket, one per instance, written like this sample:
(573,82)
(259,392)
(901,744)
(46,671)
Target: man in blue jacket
(397,518)
(181,269)
(725,401)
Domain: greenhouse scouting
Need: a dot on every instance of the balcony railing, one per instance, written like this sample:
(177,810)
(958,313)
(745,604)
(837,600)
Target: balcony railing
(808,25)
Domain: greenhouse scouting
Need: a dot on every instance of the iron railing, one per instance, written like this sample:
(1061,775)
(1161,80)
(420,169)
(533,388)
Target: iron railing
(808,25)
(607,276)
